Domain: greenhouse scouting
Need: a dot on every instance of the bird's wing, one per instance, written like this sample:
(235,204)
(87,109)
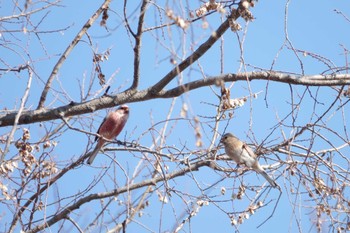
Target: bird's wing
(249,150)
(98,131)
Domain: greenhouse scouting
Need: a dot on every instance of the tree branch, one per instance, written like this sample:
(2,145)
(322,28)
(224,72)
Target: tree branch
(155,89)
(137,48)
(308,80)
(64,56)
(73,109)
(43,189)
(17,115)
(65,212)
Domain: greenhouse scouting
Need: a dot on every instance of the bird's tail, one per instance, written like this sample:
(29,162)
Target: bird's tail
(269,179)
(92,154)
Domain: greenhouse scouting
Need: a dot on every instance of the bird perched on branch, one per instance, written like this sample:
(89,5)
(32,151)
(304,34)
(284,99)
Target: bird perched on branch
(110,128)
(241,153)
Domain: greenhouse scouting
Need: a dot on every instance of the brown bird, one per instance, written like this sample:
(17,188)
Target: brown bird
(241,153)
(110,128)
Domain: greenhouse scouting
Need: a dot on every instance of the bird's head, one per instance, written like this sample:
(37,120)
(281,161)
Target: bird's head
(124,108)
(226,137)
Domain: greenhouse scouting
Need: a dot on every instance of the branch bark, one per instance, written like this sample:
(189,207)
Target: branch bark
(73,109)
(137,48)
(307,80)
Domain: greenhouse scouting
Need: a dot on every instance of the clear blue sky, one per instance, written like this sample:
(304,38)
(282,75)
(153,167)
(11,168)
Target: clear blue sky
(313,26)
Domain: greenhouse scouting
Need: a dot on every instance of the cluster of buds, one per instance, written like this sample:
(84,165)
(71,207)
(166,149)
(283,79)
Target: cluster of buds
(4,192)
(243,9)
(238,102)
(225,98)
(182,23)
(100,57)
(97,59)
(240,219)
(347,92)
(208,6)
(104,18)
(25,152)
(228,103)
(197,131)
(47,169)
(184,110)
(253,208)
(8,166)
(48,144)
(246,214)
(240,194)
(234,25)
(223,190)
(202,203)
(40,206)
(322,188)
(26,134)
(162,198)
(196,208)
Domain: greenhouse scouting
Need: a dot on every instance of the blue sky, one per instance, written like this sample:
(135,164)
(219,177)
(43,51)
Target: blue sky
(313,26)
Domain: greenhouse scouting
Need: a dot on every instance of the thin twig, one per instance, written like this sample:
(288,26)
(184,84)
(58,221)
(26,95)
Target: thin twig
(18,114)
(68,50)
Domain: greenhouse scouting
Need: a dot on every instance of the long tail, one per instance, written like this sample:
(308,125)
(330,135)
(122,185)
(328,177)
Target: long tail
(269,179)
(92,154)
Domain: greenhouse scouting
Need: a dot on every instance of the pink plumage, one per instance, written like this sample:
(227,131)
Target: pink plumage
(110,128)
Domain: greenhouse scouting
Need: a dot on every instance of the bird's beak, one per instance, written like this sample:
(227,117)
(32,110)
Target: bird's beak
(125,108)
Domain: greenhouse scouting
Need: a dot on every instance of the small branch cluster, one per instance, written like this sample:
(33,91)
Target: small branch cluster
(228,103)
(32,167)
(47,169)
(198,134)
(242,11)
(245,215)
(25,151)
(182,23)
(209,6)
(105,16)
(97,60)
(4,192)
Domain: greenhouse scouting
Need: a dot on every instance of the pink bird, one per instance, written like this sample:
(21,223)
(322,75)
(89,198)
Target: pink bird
(110,128)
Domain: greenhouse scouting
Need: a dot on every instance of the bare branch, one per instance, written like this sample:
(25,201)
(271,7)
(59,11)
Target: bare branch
(310,80)
(137,48)
(66,53)
(155,89)
(26,14)
(28,117)
(66,211)
(18,115)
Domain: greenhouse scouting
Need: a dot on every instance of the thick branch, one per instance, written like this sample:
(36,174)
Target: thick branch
(73,109)
(310,80)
